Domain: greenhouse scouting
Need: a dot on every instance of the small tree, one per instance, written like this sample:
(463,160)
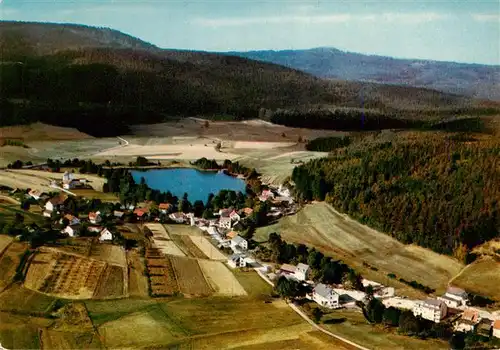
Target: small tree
(286,288)
(317,314)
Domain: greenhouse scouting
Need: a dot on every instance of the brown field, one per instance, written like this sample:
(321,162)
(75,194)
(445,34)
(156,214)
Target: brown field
(112,254)
(319,225)
(162,277)
(73,317)
(137,281)
(9,261)
(111,284)
(158,230)
(221,279)
(52,339)
(187,246)
(21,299)
(41,132)
(73,277)
(479,276)
(38,175)
(183,230)
(207,248)
(79,246)
(189,276)
(4,243)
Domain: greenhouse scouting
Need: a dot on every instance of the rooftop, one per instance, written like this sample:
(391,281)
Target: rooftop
(323,290)
(238,239)
(456,291)
(288,268)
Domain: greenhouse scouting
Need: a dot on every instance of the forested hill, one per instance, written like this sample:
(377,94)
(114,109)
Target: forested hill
(476,80)
(432,189)
(101,81)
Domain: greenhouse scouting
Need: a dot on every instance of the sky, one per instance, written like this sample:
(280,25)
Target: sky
(461,30)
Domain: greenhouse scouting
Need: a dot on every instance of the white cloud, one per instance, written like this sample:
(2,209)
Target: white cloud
(486,17)
(410,18)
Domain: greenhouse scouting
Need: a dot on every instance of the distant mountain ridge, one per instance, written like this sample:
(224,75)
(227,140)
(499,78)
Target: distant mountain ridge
(474,80)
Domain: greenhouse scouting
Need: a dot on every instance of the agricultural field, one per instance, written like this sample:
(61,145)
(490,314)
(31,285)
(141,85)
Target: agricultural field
(478,278)
(253,284)
(187,246)
(319,225)
(162,278)
(183,230)
(221,279)
(163,241)
(73,277)
(351,324)
(18,332)
(52,339)
(8,212)
(96,194)
(78,246)
(207,248)
(4,243)
(20,299)
(9,261)
(158,230)
(190,277)
(137,280)
(111,254)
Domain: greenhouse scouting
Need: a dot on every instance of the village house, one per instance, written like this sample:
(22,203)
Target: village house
(35,194)
(165,208)
(118,214)
(141,213)
(234,216)
(72,230)
(231,234)
(431,309)
(105,235)
(484,327)
(55,204)
(237,260)
(238,243)
(301,272)
(225,222)
(325,296)
(225,212)
(94,229)
(468,321)
(496,329)
(454,297)
(95,217)
(178,217)
(73,220)
(265,195)
(287,270)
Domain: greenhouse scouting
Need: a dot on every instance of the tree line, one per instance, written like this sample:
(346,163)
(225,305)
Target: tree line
(327,144)
(428,190)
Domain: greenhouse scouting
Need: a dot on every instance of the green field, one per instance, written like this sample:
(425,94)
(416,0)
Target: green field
(356,328)
(320,226)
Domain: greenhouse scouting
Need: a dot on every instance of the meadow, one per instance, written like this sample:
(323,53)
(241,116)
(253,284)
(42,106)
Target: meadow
(478,278)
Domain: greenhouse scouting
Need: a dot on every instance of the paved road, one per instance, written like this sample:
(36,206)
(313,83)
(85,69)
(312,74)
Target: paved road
(311,322)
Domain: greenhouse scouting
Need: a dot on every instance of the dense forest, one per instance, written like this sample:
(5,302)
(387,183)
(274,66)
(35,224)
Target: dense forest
(428,189)
(327,144)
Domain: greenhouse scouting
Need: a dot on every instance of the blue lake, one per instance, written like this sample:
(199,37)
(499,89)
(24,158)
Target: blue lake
(197,184)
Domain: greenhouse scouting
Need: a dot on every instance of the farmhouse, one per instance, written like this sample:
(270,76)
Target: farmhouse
(165,207)
(454,297)
(178,217)
(237,260)
(239,242)
(325,296)
(265,195)
(35,194)
(118,214)
(95,229)
(468,322)
(496,329)
(225,222)
(105,235)
(55,203)
(301,272)
(73,220)
(287,270)
(95,217)
(431,309)
(72,230)
(141,213)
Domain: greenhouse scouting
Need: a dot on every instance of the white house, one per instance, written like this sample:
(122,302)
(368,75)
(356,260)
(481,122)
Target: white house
(237,260)
(239,242)
(72,230)
(431,309)
(301,272)
(95,229)
(468,321)
(496,329)
(95,217)
(225,222)
(55,203)
(177,217)
(325,296)
(105,235)
(454,297)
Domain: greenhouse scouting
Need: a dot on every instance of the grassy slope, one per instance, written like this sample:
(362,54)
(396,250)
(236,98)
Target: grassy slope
(320,226)
(479,278)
